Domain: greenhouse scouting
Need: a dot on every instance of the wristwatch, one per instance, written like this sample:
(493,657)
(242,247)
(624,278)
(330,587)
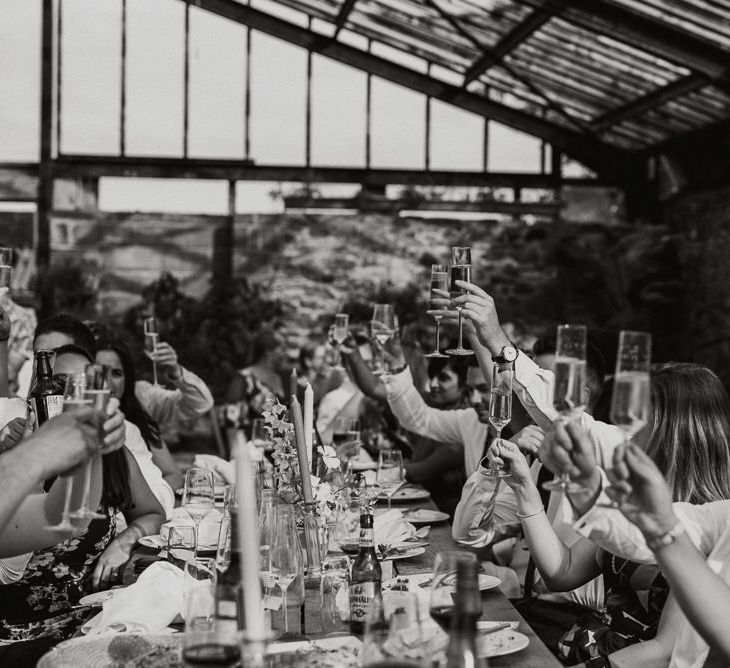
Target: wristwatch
(507,355)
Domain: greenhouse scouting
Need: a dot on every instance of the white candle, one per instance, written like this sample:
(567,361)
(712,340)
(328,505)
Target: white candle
(248,534)
(309,421)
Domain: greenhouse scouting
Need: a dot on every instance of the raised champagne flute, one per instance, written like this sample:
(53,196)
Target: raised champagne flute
(96,395)
(390,476)
(500,409)
(74,399)
(198,497)
(460,271)
(6,272)
(570,394)
(631,398)
(439,284)
(151,339)
(340,330)
(382,328)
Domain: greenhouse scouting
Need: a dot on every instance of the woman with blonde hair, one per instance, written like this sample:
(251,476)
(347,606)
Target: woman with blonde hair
(689,439)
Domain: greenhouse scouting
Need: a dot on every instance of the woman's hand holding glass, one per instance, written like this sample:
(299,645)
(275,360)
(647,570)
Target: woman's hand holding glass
(638,482)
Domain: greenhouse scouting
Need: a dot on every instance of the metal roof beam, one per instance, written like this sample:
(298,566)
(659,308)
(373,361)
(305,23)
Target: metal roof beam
(343,15)
(644,33)
(599,156)
(507,44)
(74,166)
(651,100)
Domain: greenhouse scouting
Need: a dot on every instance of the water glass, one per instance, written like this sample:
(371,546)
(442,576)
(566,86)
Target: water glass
(393,634)
(334,591)
(181,545)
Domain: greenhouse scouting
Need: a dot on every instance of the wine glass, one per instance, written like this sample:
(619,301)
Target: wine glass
(631,398)
(287,563)
(6,271)
(151,339)
(181,545)
(198,497)
(443,586)
(393,633)
(73,400)
(460,271)
(500,409)
(333,586)
(382,328)
(569,389)
(347,523)
(439,283)
(340,330)
(390,476)
(267,528)
(96,395)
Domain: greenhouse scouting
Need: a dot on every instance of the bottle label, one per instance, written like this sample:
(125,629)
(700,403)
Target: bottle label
(362,595)
(367,537)
(54,405)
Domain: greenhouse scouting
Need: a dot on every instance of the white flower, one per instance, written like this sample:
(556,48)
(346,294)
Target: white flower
(329,456)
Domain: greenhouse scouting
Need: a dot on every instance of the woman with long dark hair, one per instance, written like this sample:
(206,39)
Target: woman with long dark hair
(159,468)
(42,605)
(688,437)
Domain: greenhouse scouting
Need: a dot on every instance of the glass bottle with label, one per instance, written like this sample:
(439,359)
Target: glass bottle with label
(366,575)
(46,396)
(462,649)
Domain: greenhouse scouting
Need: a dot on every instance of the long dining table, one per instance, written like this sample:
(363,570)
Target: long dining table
(496,606)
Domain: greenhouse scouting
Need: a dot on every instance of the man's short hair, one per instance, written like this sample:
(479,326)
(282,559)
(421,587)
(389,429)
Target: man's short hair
(73,349)
(457,364)
(72,327)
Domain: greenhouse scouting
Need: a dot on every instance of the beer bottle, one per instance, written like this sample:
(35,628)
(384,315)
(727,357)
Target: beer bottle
(366,575)
(46,396)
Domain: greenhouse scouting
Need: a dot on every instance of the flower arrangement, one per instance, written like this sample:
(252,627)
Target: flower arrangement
(287,480)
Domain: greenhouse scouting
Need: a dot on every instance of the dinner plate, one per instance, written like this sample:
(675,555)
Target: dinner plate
(424,580)
(406,554)
(219,491)
(158,542)
(425,516)
(96,600)
(501,643)
(408,494)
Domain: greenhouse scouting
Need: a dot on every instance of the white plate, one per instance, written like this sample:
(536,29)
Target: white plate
(485,582)
(425,516)
(500,643)
(407,554)
(408,494)
(92,651)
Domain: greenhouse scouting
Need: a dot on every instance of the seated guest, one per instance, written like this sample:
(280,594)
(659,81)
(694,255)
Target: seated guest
(143,435)
(190,399)
(252,386)
(702,590)
(42,603)
(688,436)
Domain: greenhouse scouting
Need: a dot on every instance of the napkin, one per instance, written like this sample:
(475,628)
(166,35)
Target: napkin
(224,473)
(391,528)
(147,606)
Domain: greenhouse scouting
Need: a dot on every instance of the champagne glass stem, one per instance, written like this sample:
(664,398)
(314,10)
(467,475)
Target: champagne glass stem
(461,331)
(284,589)
(438,334)
(197,532)
(65,523)
(154,372)
(390,497)
(498,440)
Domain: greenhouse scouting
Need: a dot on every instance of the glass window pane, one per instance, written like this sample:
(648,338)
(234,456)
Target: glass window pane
(338,114)
(457,138)
(163,195)
(90,76)
(155,72)
(20,72)
(217,86)
(278,101)
(398,126)
(512,151)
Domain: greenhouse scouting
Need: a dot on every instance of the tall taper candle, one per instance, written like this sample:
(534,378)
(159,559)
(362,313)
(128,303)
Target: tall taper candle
(248,534)
(309,421)
(296,414)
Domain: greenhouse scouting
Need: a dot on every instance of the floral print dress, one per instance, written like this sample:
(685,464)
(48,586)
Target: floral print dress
(39,605)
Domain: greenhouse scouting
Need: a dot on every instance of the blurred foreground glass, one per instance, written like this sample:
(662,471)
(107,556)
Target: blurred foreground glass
(443,585)
(390,476)
(569,389)
(460,271)
(287,561)
(347,522)
(382,328)
(393,636)
(438,291)
(334,593)
(202,643)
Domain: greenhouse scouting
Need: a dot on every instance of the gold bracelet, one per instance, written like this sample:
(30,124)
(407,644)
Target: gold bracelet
(537,512)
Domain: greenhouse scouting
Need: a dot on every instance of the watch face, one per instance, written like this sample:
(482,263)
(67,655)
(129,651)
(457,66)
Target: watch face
(509,353)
